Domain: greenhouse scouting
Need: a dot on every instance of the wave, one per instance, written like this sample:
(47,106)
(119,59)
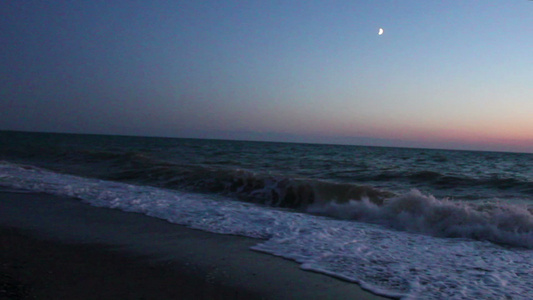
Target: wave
(441,180)
(280,190)
(262,188)
(266,188)
(500,223)
(257,187)
(217,172)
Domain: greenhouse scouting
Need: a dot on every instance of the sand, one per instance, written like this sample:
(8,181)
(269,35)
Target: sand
(60,248)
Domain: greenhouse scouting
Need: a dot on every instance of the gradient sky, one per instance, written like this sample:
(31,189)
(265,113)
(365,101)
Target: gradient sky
(445,74)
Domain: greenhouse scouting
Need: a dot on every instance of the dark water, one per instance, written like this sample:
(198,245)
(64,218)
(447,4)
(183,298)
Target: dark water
(279,174)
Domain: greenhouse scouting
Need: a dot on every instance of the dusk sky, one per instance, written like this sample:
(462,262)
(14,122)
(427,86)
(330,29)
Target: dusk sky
(444,74)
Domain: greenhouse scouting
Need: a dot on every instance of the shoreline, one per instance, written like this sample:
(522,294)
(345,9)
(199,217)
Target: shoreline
(60,245)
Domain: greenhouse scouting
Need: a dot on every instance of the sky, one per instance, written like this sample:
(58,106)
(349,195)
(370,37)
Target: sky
(444,74)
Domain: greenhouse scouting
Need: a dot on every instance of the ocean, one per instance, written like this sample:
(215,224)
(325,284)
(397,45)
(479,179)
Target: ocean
(404,223)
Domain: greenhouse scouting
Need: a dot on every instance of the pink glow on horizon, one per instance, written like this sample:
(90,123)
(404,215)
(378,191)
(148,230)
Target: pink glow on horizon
(514,137)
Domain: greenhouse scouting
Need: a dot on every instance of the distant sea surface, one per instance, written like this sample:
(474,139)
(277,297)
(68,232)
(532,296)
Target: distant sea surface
(407,223)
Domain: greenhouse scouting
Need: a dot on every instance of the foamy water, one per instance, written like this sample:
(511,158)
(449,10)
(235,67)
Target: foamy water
(410,262)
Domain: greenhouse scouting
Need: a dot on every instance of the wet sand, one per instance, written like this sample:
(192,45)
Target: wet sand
(60,248)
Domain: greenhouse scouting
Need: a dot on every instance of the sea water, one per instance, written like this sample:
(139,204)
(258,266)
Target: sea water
(407,223)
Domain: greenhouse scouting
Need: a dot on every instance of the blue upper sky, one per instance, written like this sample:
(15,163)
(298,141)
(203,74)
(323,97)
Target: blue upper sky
(445,74)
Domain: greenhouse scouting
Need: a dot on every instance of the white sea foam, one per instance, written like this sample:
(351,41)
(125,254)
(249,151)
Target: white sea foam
(510,224)
(388,262)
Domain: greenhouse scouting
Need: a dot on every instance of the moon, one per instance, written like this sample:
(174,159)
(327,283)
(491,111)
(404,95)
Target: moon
(380,32)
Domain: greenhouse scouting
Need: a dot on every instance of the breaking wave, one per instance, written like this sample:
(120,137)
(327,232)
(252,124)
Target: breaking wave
(501,223)
(264,188)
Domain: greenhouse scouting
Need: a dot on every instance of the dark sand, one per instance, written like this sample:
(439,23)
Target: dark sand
(60,248)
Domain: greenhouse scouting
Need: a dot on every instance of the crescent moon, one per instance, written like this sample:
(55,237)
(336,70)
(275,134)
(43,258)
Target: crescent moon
(380,32)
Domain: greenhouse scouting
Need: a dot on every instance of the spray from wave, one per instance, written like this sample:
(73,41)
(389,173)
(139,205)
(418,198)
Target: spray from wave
(495,222)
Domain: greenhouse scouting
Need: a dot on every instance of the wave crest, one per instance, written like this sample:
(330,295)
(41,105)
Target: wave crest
(495,222)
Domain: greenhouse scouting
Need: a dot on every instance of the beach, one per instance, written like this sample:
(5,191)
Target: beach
(60,248)
(275,220)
